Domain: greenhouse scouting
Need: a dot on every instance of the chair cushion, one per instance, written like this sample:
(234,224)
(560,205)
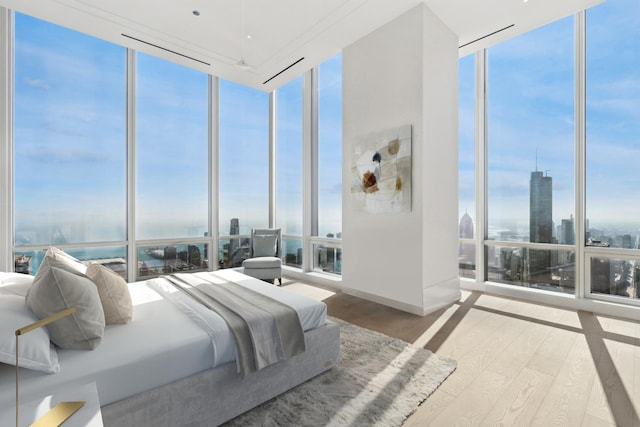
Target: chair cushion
(265,245)
(264,273)
(262,262)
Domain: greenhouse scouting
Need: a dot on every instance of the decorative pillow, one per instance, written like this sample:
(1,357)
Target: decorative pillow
(15,283)
(57,287)
(265,245)
(114,294)
(60,255)
(35,350)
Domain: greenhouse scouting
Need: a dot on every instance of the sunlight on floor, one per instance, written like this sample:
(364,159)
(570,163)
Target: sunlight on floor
(314,292)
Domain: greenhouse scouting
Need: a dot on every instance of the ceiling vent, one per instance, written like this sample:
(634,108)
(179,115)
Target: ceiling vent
(281,71)
(165,49)
(488,35)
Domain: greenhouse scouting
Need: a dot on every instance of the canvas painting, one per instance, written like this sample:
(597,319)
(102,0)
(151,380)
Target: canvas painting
(381,172)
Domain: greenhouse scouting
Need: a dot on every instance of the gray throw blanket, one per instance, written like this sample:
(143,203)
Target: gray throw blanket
(266,331)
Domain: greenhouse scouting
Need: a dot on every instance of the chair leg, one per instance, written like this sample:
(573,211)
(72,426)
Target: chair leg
(280,280)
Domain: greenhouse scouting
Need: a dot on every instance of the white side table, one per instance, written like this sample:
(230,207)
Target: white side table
(87,416)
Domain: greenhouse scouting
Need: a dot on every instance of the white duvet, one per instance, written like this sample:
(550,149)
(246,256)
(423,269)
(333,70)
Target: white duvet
(160,345)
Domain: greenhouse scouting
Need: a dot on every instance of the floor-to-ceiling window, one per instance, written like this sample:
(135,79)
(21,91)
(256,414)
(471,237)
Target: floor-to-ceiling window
(289,171)
(612,148)
(560,181)
(244,169)
(69,144)
(530,143)
(466,159)
(171,166)
(328,256)
(115,152)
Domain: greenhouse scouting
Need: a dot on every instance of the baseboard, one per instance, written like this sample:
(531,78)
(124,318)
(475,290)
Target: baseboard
(409,308)
(440,295)
(565,301)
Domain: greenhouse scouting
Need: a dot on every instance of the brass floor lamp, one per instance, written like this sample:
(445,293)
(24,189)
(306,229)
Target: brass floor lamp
(63,410)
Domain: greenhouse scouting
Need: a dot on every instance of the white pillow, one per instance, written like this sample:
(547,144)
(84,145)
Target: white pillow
(60,255)
(15,283)
(58,287)
(114,294)
(36,351)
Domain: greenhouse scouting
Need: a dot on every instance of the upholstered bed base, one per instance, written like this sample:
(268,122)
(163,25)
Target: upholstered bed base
(217,395)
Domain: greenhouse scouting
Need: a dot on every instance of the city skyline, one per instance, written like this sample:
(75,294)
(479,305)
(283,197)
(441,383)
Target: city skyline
(46,64)
(530,102)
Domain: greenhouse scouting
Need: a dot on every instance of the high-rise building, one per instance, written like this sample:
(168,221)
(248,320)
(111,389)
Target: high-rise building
(540,227)
(234,244)
(466,227)
(466,252)
(540,208)
(567,232)
(234,227)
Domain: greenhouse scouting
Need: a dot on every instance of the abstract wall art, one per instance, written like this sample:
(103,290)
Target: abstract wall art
(381,171)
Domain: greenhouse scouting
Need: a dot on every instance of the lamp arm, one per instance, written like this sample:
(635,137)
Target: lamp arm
(35,325)
(43,322)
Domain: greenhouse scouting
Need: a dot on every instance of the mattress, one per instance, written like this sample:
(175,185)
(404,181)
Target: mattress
(161,344)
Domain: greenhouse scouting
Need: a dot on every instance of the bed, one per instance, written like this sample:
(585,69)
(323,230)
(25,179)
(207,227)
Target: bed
(164,369)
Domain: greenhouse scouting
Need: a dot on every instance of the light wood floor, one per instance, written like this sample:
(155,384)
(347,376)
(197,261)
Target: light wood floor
(519,363)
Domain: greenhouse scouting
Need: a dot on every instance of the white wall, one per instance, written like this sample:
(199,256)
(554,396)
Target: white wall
(406,72)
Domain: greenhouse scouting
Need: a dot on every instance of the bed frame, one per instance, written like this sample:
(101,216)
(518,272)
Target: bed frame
(217,395)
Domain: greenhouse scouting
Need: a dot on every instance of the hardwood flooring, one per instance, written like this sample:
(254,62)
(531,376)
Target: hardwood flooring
(519,363)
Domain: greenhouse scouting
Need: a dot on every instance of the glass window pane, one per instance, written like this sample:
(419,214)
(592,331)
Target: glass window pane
(171,150)
(531,134)
(289,168)
(69,136)
(617,277)
(613,124)
(113,257)
(231,252)
(466,169)
(327,259)
(292,250)
(289,157)
(168,259)
(244,159)
(330,147)
(544,269)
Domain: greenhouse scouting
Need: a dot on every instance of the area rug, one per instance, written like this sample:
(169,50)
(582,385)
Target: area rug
(379,381)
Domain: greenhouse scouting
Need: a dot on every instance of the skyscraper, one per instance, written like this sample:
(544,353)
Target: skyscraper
(234,244)
(467,251)
(540,208)
(538,269)
(567,232)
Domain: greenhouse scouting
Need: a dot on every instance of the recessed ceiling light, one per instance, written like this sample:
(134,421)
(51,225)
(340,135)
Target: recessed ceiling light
(196,13)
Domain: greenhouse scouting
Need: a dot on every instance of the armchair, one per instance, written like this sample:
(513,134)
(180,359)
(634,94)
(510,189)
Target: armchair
(265,260)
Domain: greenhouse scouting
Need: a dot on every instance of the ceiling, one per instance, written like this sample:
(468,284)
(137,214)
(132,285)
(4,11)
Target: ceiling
(278,40)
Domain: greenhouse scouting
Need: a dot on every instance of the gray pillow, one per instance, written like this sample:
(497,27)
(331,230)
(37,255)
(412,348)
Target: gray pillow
(57,287)
(114,294)
(265,245)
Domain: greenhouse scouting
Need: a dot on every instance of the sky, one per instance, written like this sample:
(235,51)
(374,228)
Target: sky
(70,152)
(70,144)
(531,123)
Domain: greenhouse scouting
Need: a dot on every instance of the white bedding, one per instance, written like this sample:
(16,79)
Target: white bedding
(160,345)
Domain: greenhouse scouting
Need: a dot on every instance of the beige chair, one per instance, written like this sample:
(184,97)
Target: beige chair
(265,262)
